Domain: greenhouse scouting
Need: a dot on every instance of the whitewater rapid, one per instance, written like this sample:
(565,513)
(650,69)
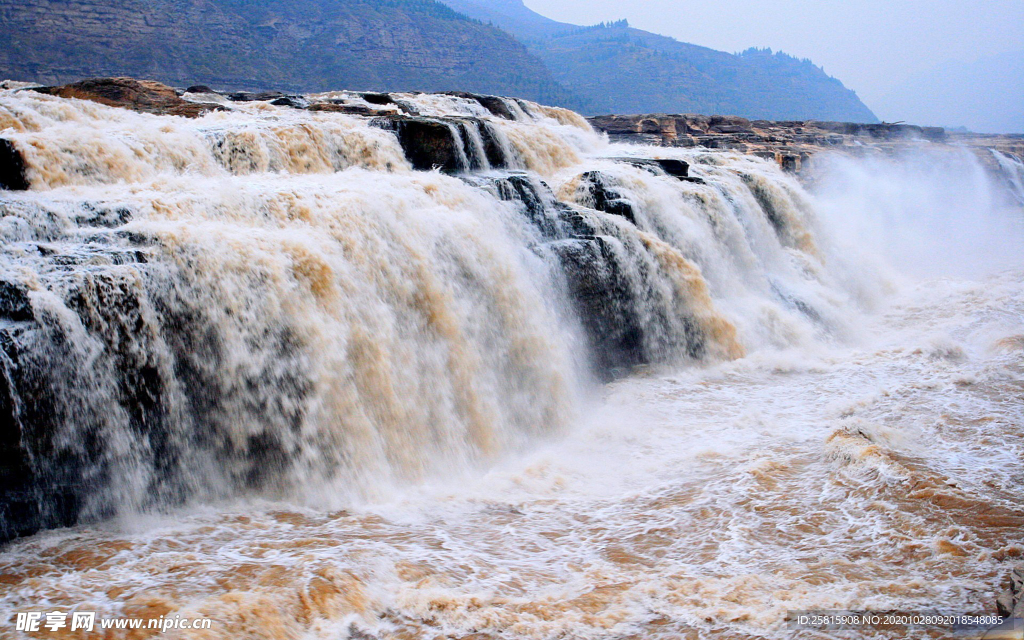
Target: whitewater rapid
(317,394)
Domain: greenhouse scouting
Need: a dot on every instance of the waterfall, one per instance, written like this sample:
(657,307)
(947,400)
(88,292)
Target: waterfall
(1013,170)
(312,305)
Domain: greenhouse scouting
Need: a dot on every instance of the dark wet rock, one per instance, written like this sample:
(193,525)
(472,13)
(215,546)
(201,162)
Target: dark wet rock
(616,295)
(493,152)
(144,96)
(496,105)
(17,505)
(428,143)
(99,215)
(338,107)
(97,256)
(525,106)
(496,155)
(573,224)
(199,88)
(13,172)
(63,407)
(31,498)
(14,302)
(248,96)
(789,162)
(604,303)
(533,197)
(378,98)
(295,103)
(675,168)
(603,196)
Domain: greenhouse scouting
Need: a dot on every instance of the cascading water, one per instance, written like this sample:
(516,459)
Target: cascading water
(286,306)
(1013,169)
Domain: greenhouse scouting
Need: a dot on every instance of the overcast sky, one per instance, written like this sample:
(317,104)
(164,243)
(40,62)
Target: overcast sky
(888,51)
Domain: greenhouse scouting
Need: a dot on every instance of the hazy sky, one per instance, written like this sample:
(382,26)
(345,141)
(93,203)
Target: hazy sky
(879,48)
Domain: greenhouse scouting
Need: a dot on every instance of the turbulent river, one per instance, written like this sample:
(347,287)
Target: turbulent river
(257,367)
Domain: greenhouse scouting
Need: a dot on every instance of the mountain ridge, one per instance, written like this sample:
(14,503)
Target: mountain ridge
(306,45)
(616,68)
(409,45)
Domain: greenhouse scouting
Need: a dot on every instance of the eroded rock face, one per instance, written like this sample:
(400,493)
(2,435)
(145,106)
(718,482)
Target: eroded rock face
(144,96)
(611,283)
(444,143)
(601,194)
(150,374)
(790,143)
(605,304)
(497,106)
(428,143)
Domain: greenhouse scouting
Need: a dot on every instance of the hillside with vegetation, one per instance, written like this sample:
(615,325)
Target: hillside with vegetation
(298,45)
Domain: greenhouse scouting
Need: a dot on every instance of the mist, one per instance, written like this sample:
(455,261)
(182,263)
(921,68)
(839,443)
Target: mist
(923,214)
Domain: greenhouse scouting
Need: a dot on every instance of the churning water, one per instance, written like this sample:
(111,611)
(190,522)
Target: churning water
(284,381)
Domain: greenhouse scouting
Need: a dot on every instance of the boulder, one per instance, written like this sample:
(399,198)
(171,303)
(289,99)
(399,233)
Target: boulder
(673,167)
(295,103)
(144,96)
(378,98)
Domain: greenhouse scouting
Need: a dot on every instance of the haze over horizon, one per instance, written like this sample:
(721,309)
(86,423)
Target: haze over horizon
(941,63)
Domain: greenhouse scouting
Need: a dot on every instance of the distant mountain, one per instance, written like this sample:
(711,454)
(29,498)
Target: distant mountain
(297,45)
(618,69)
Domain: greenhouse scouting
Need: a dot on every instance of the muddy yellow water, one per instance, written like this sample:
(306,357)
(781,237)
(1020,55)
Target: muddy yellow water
(703,503)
